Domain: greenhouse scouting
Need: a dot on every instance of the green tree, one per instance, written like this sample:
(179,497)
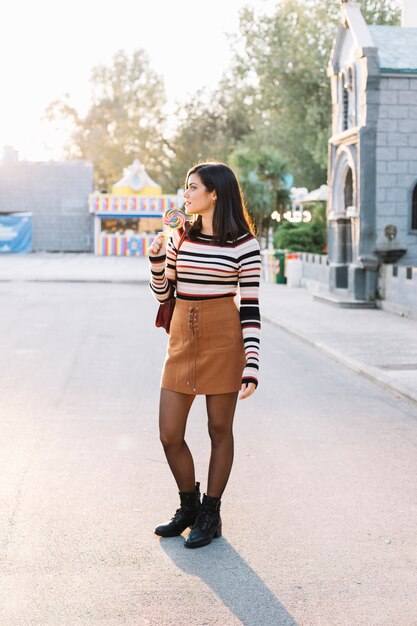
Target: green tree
(208,129)
(283,60)
(261,173)
(308,237)
(124,121)
(304,237)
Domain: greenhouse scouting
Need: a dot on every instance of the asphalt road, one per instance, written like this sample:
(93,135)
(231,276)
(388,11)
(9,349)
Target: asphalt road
(319,517)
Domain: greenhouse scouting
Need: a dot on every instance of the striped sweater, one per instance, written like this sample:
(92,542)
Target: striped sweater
(204,270)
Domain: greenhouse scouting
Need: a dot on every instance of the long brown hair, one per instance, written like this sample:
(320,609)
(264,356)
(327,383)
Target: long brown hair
(230,217)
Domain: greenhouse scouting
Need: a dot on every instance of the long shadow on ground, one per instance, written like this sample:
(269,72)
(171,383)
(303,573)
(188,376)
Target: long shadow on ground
(236,584)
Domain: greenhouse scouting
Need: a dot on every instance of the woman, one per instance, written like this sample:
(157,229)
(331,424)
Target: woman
(213,346)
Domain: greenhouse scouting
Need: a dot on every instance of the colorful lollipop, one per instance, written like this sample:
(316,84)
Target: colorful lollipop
(174,218)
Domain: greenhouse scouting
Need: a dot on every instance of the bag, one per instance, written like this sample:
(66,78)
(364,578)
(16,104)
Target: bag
(166,309)
(165,313)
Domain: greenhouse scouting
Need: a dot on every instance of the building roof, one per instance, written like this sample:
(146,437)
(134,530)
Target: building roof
(397,48)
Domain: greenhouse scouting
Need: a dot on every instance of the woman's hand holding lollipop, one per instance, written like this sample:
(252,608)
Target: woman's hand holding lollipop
(175,219)
(157,247)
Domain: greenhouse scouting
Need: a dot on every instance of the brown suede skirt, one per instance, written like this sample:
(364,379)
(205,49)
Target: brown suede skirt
(205,352)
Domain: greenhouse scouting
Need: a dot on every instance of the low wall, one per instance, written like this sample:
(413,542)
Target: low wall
(397,284)
(315,271)
(397,290)
(301,269)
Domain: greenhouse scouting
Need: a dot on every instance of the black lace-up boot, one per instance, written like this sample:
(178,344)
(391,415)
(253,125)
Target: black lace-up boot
(184,517)
(208,525)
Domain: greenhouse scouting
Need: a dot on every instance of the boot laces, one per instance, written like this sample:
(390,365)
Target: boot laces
(177,515)
(183,510)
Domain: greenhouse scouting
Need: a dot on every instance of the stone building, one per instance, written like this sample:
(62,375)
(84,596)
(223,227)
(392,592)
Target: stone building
(372,209)
(56,194)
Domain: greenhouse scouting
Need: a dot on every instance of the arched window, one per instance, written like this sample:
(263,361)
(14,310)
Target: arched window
(348,108)
(345,120)
(348,190)
(414,210)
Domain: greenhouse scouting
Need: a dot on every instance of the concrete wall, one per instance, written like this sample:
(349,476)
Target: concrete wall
(397,284)
(397,290)
(57,195)
(396,152)
(315,272)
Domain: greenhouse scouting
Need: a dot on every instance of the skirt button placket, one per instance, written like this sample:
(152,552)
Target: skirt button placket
(193,326)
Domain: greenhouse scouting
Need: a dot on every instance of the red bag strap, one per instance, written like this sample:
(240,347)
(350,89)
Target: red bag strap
(183,236)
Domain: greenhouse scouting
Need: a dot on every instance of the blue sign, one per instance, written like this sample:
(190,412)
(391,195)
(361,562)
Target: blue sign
(16,232)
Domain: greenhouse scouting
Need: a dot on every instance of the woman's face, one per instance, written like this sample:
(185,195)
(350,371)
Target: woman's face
(198,201)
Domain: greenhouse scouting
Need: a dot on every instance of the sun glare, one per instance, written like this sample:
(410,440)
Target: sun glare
(57,46)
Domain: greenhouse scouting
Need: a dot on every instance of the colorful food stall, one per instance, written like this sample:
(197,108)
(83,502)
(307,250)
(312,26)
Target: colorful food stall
(126,220)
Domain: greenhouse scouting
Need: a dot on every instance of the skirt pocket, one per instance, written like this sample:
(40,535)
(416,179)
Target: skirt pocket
(176,336)
(222,336)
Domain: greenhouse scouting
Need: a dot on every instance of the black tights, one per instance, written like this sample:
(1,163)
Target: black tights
(173,413)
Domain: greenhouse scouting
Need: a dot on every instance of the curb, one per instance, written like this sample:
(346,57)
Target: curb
(368,371)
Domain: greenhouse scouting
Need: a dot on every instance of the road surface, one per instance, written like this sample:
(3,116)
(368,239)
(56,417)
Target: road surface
(319,517)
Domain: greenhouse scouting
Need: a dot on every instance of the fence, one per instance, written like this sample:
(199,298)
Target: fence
(122,245)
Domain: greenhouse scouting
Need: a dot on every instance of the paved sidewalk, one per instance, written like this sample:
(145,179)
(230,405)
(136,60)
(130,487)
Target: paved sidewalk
(377,344)
(72,267)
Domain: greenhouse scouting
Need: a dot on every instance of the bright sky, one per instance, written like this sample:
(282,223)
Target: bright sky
(48,47)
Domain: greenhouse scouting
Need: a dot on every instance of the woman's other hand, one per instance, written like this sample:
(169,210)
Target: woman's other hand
(246,390)
(158,246)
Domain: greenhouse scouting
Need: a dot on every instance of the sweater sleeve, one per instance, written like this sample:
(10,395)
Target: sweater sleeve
(249,279)
(163,270)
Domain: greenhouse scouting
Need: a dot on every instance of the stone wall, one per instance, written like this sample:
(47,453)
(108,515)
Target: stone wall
(397,284)
(315,266)
(397,290)
(57,195)
(315,273)
(396,160)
